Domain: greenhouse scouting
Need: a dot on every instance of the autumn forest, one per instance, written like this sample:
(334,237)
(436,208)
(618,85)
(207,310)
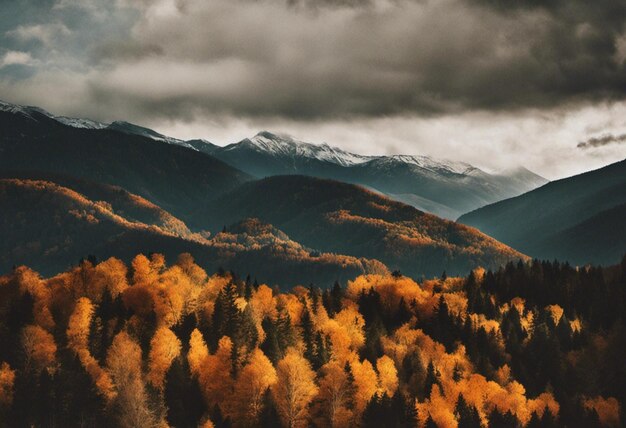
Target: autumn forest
(152,282)
(154,344)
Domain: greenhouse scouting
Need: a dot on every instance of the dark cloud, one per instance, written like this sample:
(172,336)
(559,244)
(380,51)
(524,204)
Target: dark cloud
(602,141)
(321,59)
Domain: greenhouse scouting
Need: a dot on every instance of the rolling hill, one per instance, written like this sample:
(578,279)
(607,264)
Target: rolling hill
(347,219)
(579,219)
(50,227)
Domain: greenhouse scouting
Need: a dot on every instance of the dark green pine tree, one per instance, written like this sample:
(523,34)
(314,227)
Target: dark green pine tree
(432,378)
(374,414)
(548,420)
(457,373)
(308,335)
(499,420)
(322,351)
(247,288)
(269,415)
(182,395)
(534,422)
(413,373)
(351,387)
(373,346)
(285,332)
(315,296)
(466,414)
(403,315)
(430,423)
(336,294)
(271,345)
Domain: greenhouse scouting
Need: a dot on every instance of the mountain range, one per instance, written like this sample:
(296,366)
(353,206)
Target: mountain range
(581,219)
(442,187)
(445,188)
(77,187)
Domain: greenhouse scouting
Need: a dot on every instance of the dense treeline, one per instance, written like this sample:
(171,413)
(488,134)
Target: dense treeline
(147,345)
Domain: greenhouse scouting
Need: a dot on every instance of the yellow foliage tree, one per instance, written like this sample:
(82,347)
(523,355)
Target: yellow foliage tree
(30,282)
(164,348)
(387,375)
(252,383)
(334,397)
(39,348)
(365,382)
(7,380)
(198,352)
(295,389)
(111,274)
(124,365)
(214,376)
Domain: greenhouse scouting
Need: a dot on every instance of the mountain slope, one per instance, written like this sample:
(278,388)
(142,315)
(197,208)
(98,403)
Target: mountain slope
(581,211)
(444,188)
(176,178)
(348,219)
(50,227)
(119,201)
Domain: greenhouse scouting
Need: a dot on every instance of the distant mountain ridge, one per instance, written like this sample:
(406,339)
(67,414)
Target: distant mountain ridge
(347,219)
(340,228)
(177,178)
(580,219)
(443,187)
(49,226)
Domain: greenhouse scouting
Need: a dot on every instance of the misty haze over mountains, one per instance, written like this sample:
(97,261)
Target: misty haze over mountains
(305,190)
(334,225)
(445,188)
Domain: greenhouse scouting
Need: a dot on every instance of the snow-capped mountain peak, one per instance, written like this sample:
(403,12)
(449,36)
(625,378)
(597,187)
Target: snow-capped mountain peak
(284,145)
(80,123)
(32,112)
(429,163)
(278,145)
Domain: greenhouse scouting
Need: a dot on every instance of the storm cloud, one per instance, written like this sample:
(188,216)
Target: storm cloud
(319,59)
(312,61)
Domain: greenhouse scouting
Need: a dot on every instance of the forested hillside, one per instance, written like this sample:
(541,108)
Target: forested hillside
(579,219)
(535,344)
(343,218)
(51,227)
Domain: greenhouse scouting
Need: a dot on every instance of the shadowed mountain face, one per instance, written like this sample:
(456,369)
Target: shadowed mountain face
(120,189)
(348,219)
(175,178)
(444,188)
(579,219)
(49,227)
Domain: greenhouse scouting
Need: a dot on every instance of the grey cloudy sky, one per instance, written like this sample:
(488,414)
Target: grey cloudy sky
(497,83)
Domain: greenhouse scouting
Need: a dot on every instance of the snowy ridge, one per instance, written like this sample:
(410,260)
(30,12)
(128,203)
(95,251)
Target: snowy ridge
(30,112)
(282,145)
(427,163)
(80,123)
(287,146)
(126,127)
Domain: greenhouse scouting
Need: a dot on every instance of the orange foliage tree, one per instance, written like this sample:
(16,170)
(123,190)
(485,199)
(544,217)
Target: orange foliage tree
(295,389)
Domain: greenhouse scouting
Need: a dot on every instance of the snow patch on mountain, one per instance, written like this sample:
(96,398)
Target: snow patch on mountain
(32,112)
(131,128)
(425,163)
(282,145)
(128,128)
(286,146)
(80,123)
